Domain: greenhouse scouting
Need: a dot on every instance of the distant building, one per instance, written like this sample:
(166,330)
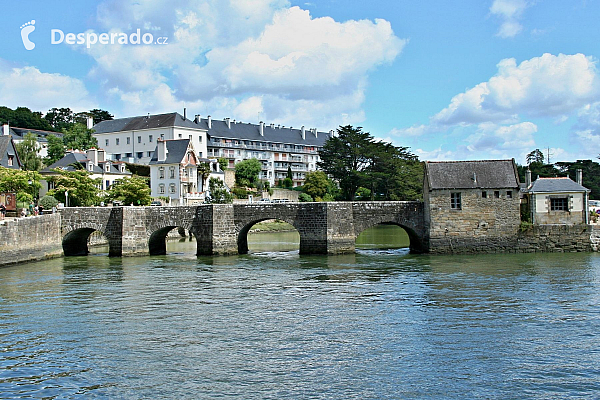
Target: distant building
(18,135)
(8,153)
(557,200)
(93,161)
(276,147)
(468,201)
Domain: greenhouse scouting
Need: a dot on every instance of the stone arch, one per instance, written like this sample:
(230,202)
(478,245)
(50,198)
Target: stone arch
(157,240)
(417,244)
(243,229)
(75,241)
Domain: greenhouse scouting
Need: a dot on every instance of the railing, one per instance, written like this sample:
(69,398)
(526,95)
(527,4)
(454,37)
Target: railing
(266,147)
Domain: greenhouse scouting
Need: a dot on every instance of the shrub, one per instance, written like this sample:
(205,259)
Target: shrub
(48,202)
(304,197)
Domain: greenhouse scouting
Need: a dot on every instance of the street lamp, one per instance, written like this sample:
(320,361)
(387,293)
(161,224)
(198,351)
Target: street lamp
(66,198)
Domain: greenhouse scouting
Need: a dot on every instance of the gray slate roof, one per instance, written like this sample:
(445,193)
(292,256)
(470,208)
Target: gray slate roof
(19,133)
(68,162)
(145,122)
(7,148)
(176,150)
(553,185)
(484,174)
(219,129)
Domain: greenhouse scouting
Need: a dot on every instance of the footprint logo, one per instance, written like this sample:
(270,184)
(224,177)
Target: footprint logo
(26,29)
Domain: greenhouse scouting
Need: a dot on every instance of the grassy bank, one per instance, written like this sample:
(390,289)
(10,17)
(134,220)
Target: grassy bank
(272,225)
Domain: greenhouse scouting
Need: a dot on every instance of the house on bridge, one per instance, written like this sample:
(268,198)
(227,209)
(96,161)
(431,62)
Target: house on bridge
(471,202)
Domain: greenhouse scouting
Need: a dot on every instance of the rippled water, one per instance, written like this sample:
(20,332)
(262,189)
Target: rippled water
(272,325)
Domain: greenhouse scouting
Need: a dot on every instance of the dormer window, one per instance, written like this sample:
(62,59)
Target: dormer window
(10,161)
(107,167)
(122,168)
(90,166)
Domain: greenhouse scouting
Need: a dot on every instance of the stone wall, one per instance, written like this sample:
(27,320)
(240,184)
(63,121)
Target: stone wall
(30,239)
(595,238)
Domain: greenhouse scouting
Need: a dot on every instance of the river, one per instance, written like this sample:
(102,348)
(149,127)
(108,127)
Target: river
(377,324)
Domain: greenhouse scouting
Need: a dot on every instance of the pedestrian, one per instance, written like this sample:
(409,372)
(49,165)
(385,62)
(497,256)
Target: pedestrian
(31,208)
(2,211)
(41,209)
(23,213)
(36,211)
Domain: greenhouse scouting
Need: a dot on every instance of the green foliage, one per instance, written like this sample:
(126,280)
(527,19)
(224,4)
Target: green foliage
(287,183)
(223,163)
(328,197)
(79,137)
(304,197)
(247,172)
(48,202)
(525,226)
(316,184)
(536,156)
(289,173)
(60,118)
(363,194)
(98,115)
(28,153)
(56,149)
(218,193)
(240,193)
(355,159)
(23,117)
(138,169)
(591,174)
(204,170)
(83,190)
(17,181)
(131,190)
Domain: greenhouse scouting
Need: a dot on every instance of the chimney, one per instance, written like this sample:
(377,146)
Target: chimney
(92,155)
(162,150)
(579,175)
(262,128)
(184,113)
(272,125)
(528,177)
(101,155)
(5,130)
(228,122)
(316,133)
(303,133)
(331,133)
(197,118)
(209,122)
(90,122)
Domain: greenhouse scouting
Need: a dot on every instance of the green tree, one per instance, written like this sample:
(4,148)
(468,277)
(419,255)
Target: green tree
(100,115)
(218,192)
(223,162)
(130,190)
(289,173)
(28,152)
(303,197)
(247,172)
(316,184)
(591,174)
(536,156)
(204,170)
(23,117)
(56,149)
(26,184)
(60,118)
(79,137)
(83,190)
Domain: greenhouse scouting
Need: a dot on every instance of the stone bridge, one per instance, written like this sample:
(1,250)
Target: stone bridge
(324,228)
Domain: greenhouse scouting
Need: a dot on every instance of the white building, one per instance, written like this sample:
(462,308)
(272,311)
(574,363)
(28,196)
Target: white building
(18,135)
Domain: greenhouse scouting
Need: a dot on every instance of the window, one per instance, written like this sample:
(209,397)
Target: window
(497,194)
(106,142)
(129,155)
(161,188)
(107,184)
(117,141)
(139,139)
(172,173)
(200,139)
(107,168)
(161,173)
(91,166)
(150,138)
(190,137)
(172,188)
(509,194)
(10,161)
(559,204)
(117,157)
(128,140)
(484,195)
(150,153)
(455,202)
(180,136)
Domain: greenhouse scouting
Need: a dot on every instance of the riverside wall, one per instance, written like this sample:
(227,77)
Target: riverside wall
(30,239)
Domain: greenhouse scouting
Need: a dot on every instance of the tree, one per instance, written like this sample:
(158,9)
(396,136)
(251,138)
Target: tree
(83,190)
(218,193)
(79,137)
(535,156)
(56,149)
(591,174)
(23,117)
(247,172)
(100,115)
(130,190)
(25,183)
(223,162)
(60,118)
(289,173)
(204,171)
(304,197)
(28,152)
(316,184)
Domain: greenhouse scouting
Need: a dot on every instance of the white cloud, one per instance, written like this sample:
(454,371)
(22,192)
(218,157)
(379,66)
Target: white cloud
(412,131)
(509,12)
(262,55)
(542,86)
(40,91)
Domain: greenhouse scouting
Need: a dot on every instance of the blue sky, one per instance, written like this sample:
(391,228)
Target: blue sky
(473,79)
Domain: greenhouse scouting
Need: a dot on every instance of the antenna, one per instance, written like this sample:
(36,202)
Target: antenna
(548,151)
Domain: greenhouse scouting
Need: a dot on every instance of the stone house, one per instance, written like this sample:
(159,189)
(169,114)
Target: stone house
(93,161)
(557,201)
(471,203)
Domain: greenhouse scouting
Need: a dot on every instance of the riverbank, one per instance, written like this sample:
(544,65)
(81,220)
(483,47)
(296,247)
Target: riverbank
(272,225)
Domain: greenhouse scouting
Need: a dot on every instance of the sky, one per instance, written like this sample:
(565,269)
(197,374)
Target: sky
(467,80)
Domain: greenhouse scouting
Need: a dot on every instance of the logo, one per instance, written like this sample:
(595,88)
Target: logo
(26,29)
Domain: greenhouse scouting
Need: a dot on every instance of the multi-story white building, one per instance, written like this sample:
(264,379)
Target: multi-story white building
(276,147)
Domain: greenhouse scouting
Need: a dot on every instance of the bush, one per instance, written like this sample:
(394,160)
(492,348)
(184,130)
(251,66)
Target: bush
(48,202)
(304,197)
(525,226)
(240,193)
(288,183)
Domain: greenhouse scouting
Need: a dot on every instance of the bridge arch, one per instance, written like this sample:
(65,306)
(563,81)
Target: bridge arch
(416,241)
(244,228)
(75,241)
(157,240)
